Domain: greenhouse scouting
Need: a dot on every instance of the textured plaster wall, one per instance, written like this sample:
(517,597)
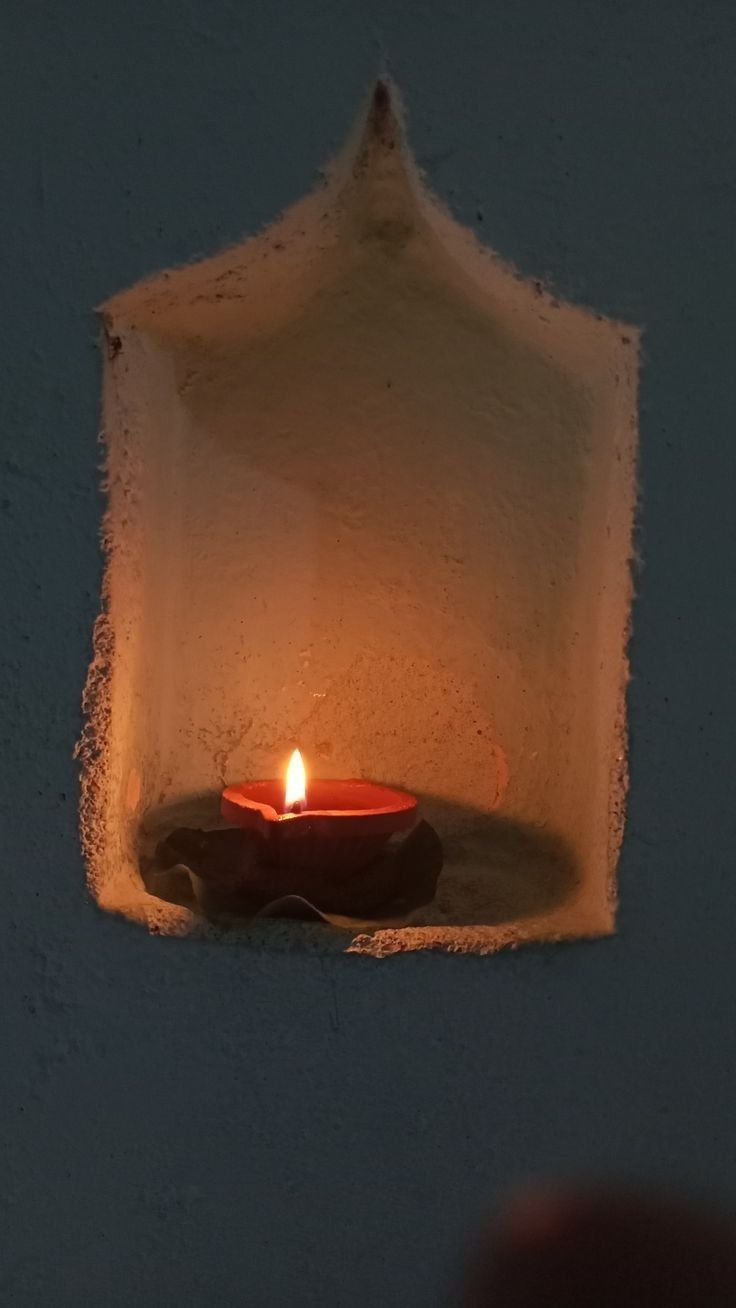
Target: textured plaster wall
(191,1121)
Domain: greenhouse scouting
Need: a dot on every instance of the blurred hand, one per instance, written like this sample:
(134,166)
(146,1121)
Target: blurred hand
(604,1249)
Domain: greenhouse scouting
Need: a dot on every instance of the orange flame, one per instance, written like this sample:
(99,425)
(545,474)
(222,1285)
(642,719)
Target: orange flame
(296,782)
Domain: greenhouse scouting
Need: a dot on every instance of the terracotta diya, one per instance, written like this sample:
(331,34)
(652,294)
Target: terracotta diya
(328,825)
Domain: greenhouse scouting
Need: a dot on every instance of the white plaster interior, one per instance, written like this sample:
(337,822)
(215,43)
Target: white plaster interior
(370,493)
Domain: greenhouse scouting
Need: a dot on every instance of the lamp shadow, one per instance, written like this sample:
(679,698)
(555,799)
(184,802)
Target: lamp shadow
(498,869)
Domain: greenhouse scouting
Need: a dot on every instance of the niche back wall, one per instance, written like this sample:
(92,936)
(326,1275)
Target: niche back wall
(176,1119)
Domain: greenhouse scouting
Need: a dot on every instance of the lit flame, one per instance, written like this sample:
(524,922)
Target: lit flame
(296,782)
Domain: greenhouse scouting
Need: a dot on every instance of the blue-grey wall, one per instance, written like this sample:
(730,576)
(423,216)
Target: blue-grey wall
(197,1123)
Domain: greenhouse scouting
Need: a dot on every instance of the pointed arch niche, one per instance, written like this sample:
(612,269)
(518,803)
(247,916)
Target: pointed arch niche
(372,493)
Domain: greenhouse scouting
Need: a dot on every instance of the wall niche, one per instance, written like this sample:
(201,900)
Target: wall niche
(370,494)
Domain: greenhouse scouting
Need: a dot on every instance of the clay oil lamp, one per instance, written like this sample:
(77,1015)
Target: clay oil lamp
(327,825)
(326,845)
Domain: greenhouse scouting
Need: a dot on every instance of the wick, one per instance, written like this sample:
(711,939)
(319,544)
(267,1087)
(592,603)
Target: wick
(298,807)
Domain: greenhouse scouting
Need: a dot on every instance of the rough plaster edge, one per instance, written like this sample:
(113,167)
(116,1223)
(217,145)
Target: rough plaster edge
(284,936)
(92,747)
(618,790)
(620,778)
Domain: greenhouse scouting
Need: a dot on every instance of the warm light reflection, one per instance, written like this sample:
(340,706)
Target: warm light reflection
(296,782)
